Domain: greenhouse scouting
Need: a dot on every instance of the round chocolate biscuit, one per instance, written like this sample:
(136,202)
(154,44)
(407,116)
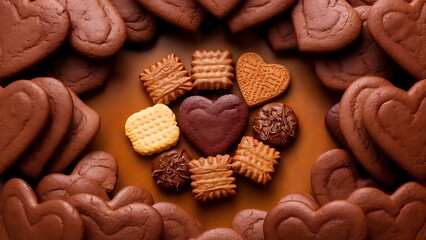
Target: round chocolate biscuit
(170,169)
(275,124)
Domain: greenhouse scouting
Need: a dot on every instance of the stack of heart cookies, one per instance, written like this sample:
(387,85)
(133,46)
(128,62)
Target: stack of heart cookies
(44,126)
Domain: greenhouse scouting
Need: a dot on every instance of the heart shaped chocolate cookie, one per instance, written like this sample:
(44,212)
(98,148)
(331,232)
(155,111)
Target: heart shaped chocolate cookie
(325,26)
(404,44)
(335,176)
(260,82)
(96,173)
(24,218)
(31,30)
(295,220)
(184,14)
(219,8)
(117,219)
(24,111)
(396,120)
(213,126)
(401,215)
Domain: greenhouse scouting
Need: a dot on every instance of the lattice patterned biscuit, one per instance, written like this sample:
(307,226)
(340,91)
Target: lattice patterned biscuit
(152,130)
(255,160)
(260,82)
(212,177)
(212,70)
(166,80)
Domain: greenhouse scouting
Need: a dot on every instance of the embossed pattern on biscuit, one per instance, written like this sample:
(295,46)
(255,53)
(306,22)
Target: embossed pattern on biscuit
(152,130)
(212,70)
(212,177)
(255,160)
(260,82)
(166,80)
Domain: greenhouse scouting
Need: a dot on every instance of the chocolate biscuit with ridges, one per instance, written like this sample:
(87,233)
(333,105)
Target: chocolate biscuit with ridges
(401,215)
(31,30)
(22,217)
(362,58)
(141,25)
(371,158)
(280,33)
(97,29)
(185,14)
(119,218)
(335,175)
(254,12)
(170,169)
(61,113)
(84,127)
(166,80)
(24,112)
(275,124)
(178,224)
(96,174)
(219,8)
(325,26)
(331,121)
(249,223)
(79,73)
(220,233)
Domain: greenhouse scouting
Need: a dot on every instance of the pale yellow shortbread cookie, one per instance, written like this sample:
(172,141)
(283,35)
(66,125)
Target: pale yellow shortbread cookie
(152,130)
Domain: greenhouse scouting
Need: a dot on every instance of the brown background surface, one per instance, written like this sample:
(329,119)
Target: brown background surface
(124,94)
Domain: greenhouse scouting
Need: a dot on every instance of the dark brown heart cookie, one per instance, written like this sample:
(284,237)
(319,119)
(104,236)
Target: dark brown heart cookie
(280,33)
(24,111)
(359,142)
(335,175)
(331,120)
(357,3)
(118,218)
(96,173)
(401,215)
(254,12)
(141,25)
(186,14)
(363,58)
(84,127)
(213,126)
(396,121)
(339,220)
(31,30)
(97,31)
(22,217)
(303,198)
(404,44)
(178,224)
(325,26)
(219,8)
(61,113)
(249,224)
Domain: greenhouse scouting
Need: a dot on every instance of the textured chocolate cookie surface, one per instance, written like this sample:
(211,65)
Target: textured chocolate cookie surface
(96,173)
(331,120)
(249,223)
(97,29)
(186,14)
(260,82)
(401,215)
(363,58)
(24,111)
(220,233)
(404,44)
(213,126)
(31,30)
(396,121)
(253,12)
(22,217)
(280,33)
(335,175)
(219,8)
(325,26)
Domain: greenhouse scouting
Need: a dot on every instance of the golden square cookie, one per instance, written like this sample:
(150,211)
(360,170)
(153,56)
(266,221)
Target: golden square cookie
(212,177)
(212,70)
(255,160)
(166,80)
(152,130)
(260,82)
